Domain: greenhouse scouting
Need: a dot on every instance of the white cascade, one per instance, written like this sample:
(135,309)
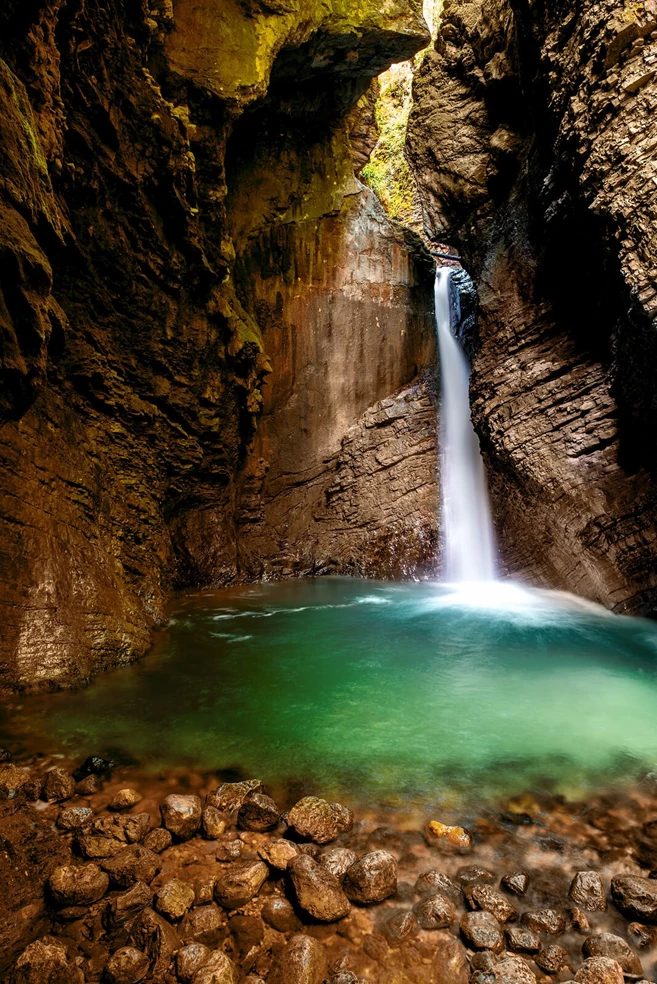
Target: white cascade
(467,524)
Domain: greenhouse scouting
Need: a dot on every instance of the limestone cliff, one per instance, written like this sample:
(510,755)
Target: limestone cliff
(136,164)
(533,139)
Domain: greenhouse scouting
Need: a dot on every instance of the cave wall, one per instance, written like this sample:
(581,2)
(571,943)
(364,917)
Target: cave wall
(532,138)
(132,369)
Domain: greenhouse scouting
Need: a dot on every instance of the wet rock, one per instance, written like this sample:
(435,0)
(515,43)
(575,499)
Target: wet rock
(174,899)
(435,912)
(600,970)
(400,927)
(513,970)
(468,874)
(238,882)
(280,915)
(484,960)
(372,878)
(552,959)
(521,939)
(181,815)
(96,846)
(126,966)
(642,936)
(58,785)
(301,961)
(71,885)
(481,931)
(189,960)
(125,799)
(442,834)
(156,937)
(450,964)
(516,882)
(549,921)
(88,786)
(158,840)
(217,970)
(338,860)
(213,822)
(278,853)
(487,898)
(45,962)
(230,796)
(12,779)
(318,892)
(635,897)
(318,820)
(229,848)
(434,882)
(132,864)
(94,765)
(587,891)
(608,945)
(203,925)
(74,818)
(127,905)
(259,813)
(579,920)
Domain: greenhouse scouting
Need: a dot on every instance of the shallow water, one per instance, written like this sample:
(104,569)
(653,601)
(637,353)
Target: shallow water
(375,690)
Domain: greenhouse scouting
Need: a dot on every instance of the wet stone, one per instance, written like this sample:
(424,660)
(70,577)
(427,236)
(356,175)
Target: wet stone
(218,969)
(318,892)
(12,779)
(125,799)
(156,937)
(189,960)
(470,873)
(174,899)
(600,970)
(338,860)
(552,959)
(127,905)
(516,882)
(204,888)
(229,797)
(213,822)
(481,931)
(317,820)
(579,920)
(521,939)
(74,818)
(278,853)
(434,882)
(58,785)
(487,898)
(158,840)
(513,970)
(642,936)
(181,815)
(400,927)
(435,912)
(609,945)
(126,966)
(280,915)
(82,885)
(549,921)
(587,891)
(238,882)
(203,925)
(132,864)
(87,786)
(372,878)
(94,765)
(443,834)
(635,897)
(258,813)
(229,849)
(301,961)
(45,962)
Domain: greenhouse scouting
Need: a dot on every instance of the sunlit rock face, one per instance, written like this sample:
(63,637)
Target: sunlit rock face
(532,138)
(132,362)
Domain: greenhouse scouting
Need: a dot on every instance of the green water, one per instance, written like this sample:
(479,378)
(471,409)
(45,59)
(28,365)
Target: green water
(375,690)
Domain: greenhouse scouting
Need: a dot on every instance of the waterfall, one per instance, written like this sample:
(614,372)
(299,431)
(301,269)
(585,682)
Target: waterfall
(468,528)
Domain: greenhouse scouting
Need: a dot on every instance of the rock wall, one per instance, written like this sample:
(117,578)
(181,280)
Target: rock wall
(131,368)
(533,138)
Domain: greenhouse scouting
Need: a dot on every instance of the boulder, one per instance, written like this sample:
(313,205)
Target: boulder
(70,885)
(372,878)
(318,892)
(181,815)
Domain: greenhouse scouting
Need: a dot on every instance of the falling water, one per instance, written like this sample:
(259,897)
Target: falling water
(468,529)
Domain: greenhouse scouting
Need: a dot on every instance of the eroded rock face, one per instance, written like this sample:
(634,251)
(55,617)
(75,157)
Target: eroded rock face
(132,360)
(532,139)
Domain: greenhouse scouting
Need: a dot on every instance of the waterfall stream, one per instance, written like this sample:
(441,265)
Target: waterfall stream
(467,524)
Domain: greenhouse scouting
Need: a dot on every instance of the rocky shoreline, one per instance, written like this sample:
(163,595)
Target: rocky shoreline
(112,876)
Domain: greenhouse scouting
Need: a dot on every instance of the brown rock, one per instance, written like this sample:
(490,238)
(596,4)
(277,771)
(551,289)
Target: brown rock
(59,785)
(318,892)
(318,820)
(71,885)
(450,964)
(229,848)
(513,970)
(635,897)
(45,962)
(400,927)
(549,921)
(579,920)
(158,840)
(213,822)
(338,860)
(468,874)
(485,897)
(443,834)
(600,970)
(280,915)
(229,797)
(74,818)
(181,815)
(278,853)
(247,933)
(203,925)
(218,969)
(642,936)
(259,813)
(125,799)
(372,878)
(520,939)
(552,959)
(238,882)
(190,959)
(126,905)
(435,912)
(156,937)
(435,883)
(301,961)
(126,966)
(88,786)
(587,891)
(132,864)
(12,779)
(516,882)
(481,931)
(608,945)
(174,899)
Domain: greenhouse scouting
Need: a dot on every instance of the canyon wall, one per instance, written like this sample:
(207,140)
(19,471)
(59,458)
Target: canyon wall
(533,138)
(150,157)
